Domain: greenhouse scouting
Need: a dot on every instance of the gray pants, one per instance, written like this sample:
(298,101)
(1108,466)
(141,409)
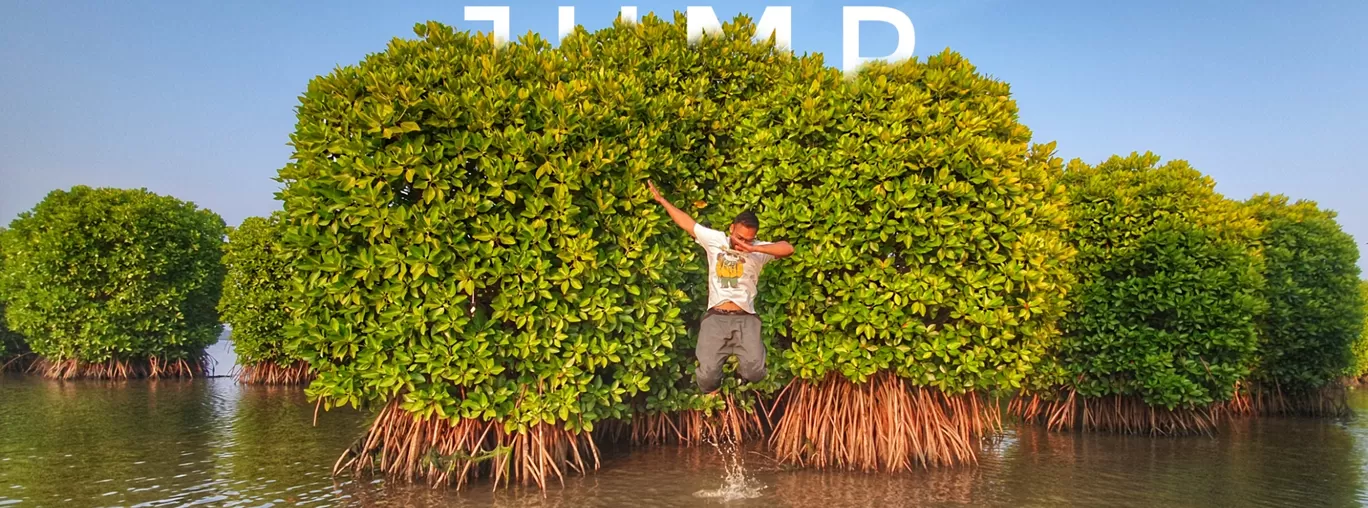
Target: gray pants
(724,335)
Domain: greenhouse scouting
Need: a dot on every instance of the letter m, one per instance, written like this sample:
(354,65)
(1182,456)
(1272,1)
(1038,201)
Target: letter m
(777,20)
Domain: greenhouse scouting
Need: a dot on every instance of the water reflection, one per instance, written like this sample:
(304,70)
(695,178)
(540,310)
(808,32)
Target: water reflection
(271,452)
(221,355)
(1295,461)
(114,443)
(145,443)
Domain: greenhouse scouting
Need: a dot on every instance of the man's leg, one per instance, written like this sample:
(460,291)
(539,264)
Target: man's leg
(711,352)
(751,353)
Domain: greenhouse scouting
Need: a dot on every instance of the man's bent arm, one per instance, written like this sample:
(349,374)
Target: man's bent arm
(679,217)
(776,249)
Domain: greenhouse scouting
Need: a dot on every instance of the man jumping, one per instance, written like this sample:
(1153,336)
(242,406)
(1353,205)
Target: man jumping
(730,327)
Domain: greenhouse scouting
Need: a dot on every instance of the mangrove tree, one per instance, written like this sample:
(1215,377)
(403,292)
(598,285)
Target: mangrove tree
(114,283)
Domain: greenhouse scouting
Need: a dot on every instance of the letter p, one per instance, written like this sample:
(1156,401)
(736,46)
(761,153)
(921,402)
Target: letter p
(850,34)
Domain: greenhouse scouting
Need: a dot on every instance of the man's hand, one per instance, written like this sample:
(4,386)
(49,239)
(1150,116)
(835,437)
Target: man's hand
(741,246)
(678,216)
(655,193)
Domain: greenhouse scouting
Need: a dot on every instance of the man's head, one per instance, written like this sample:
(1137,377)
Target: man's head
(744,227)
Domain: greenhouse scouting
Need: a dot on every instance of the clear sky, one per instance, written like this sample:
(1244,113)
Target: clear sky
(196,99)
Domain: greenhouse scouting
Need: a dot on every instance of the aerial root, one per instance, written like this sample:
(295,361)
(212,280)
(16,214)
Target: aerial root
(1116,413)
(117,369)
(1257,399)
(885,424)
(733,423)
(406,448)
(271,373)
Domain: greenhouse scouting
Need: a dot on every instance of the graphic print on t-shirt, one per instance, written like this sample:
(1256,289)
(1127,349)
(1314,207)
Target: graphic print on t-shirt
(730,269)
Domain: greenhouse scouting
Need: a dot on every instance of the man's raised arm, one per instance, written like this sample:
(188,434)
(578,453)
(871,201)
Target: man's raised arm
(678,215)
(779,250)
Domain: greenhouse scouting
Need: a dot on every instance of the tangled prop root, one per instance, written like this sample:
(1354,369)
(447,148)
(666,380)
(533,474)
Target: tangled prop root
(1117,413)
(1027,408)
(270,373)
(1259,400)
(1240,404)
(885,424)
(733,424)
(406,448)
(152,368)
(17,363)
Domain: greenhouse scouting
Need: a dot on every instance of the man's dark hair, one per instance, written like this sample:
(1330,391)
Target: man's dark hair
(748,219)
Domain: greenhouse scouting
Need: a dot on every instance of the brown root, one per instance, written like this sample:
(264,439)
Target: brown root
(270,373)
(1261,400)
(406,448)
(734,424)
(884,424)
(1116,413)
(151,368)
(1240,404)
(17,363)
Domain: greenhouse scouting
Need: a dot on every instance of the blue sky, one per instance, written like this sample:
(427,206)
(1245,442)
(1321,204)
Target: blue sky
(196,99)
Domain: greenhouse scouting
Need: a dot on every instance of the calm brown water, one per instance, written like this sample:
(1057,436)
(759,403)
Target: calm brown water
(214,443)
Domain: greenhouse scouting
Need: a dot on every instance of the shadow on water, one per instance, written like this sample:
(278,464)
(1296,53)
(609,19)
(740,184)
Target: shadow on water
(143,443)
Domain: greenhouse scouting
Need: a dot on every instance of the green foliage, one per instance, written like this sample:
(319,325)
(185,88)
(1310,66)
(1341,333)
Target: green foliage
(1168,284)
(929,232)
(253,300)
(10,343)
(1359,367)
(1315,310)
(469,227)
(98,274)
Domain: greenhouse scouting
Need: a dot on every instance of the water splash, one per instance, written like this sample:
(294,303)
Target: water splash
(735,484)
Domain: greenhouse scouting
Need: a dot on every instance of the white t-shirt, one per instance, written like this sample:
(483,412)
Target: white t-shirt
(732,275)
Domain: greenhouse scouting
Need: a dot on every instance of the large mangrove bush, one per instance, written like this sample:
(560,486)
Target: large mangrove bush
(931,264)
(253,303)
(1315,310)
(474,248)
(1163,322)
(114,283)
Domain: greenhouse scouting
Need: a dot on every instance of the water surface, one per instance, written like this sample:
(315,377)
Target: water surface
(212,442)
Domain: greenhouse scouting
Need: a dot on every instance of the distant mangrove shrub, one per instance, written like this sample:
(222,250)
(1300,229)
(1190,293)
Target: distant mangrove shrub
(474,246)
(1164,316)
(931,266)
(1359,367)
(1315,310)
(114,283)
(253,303)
